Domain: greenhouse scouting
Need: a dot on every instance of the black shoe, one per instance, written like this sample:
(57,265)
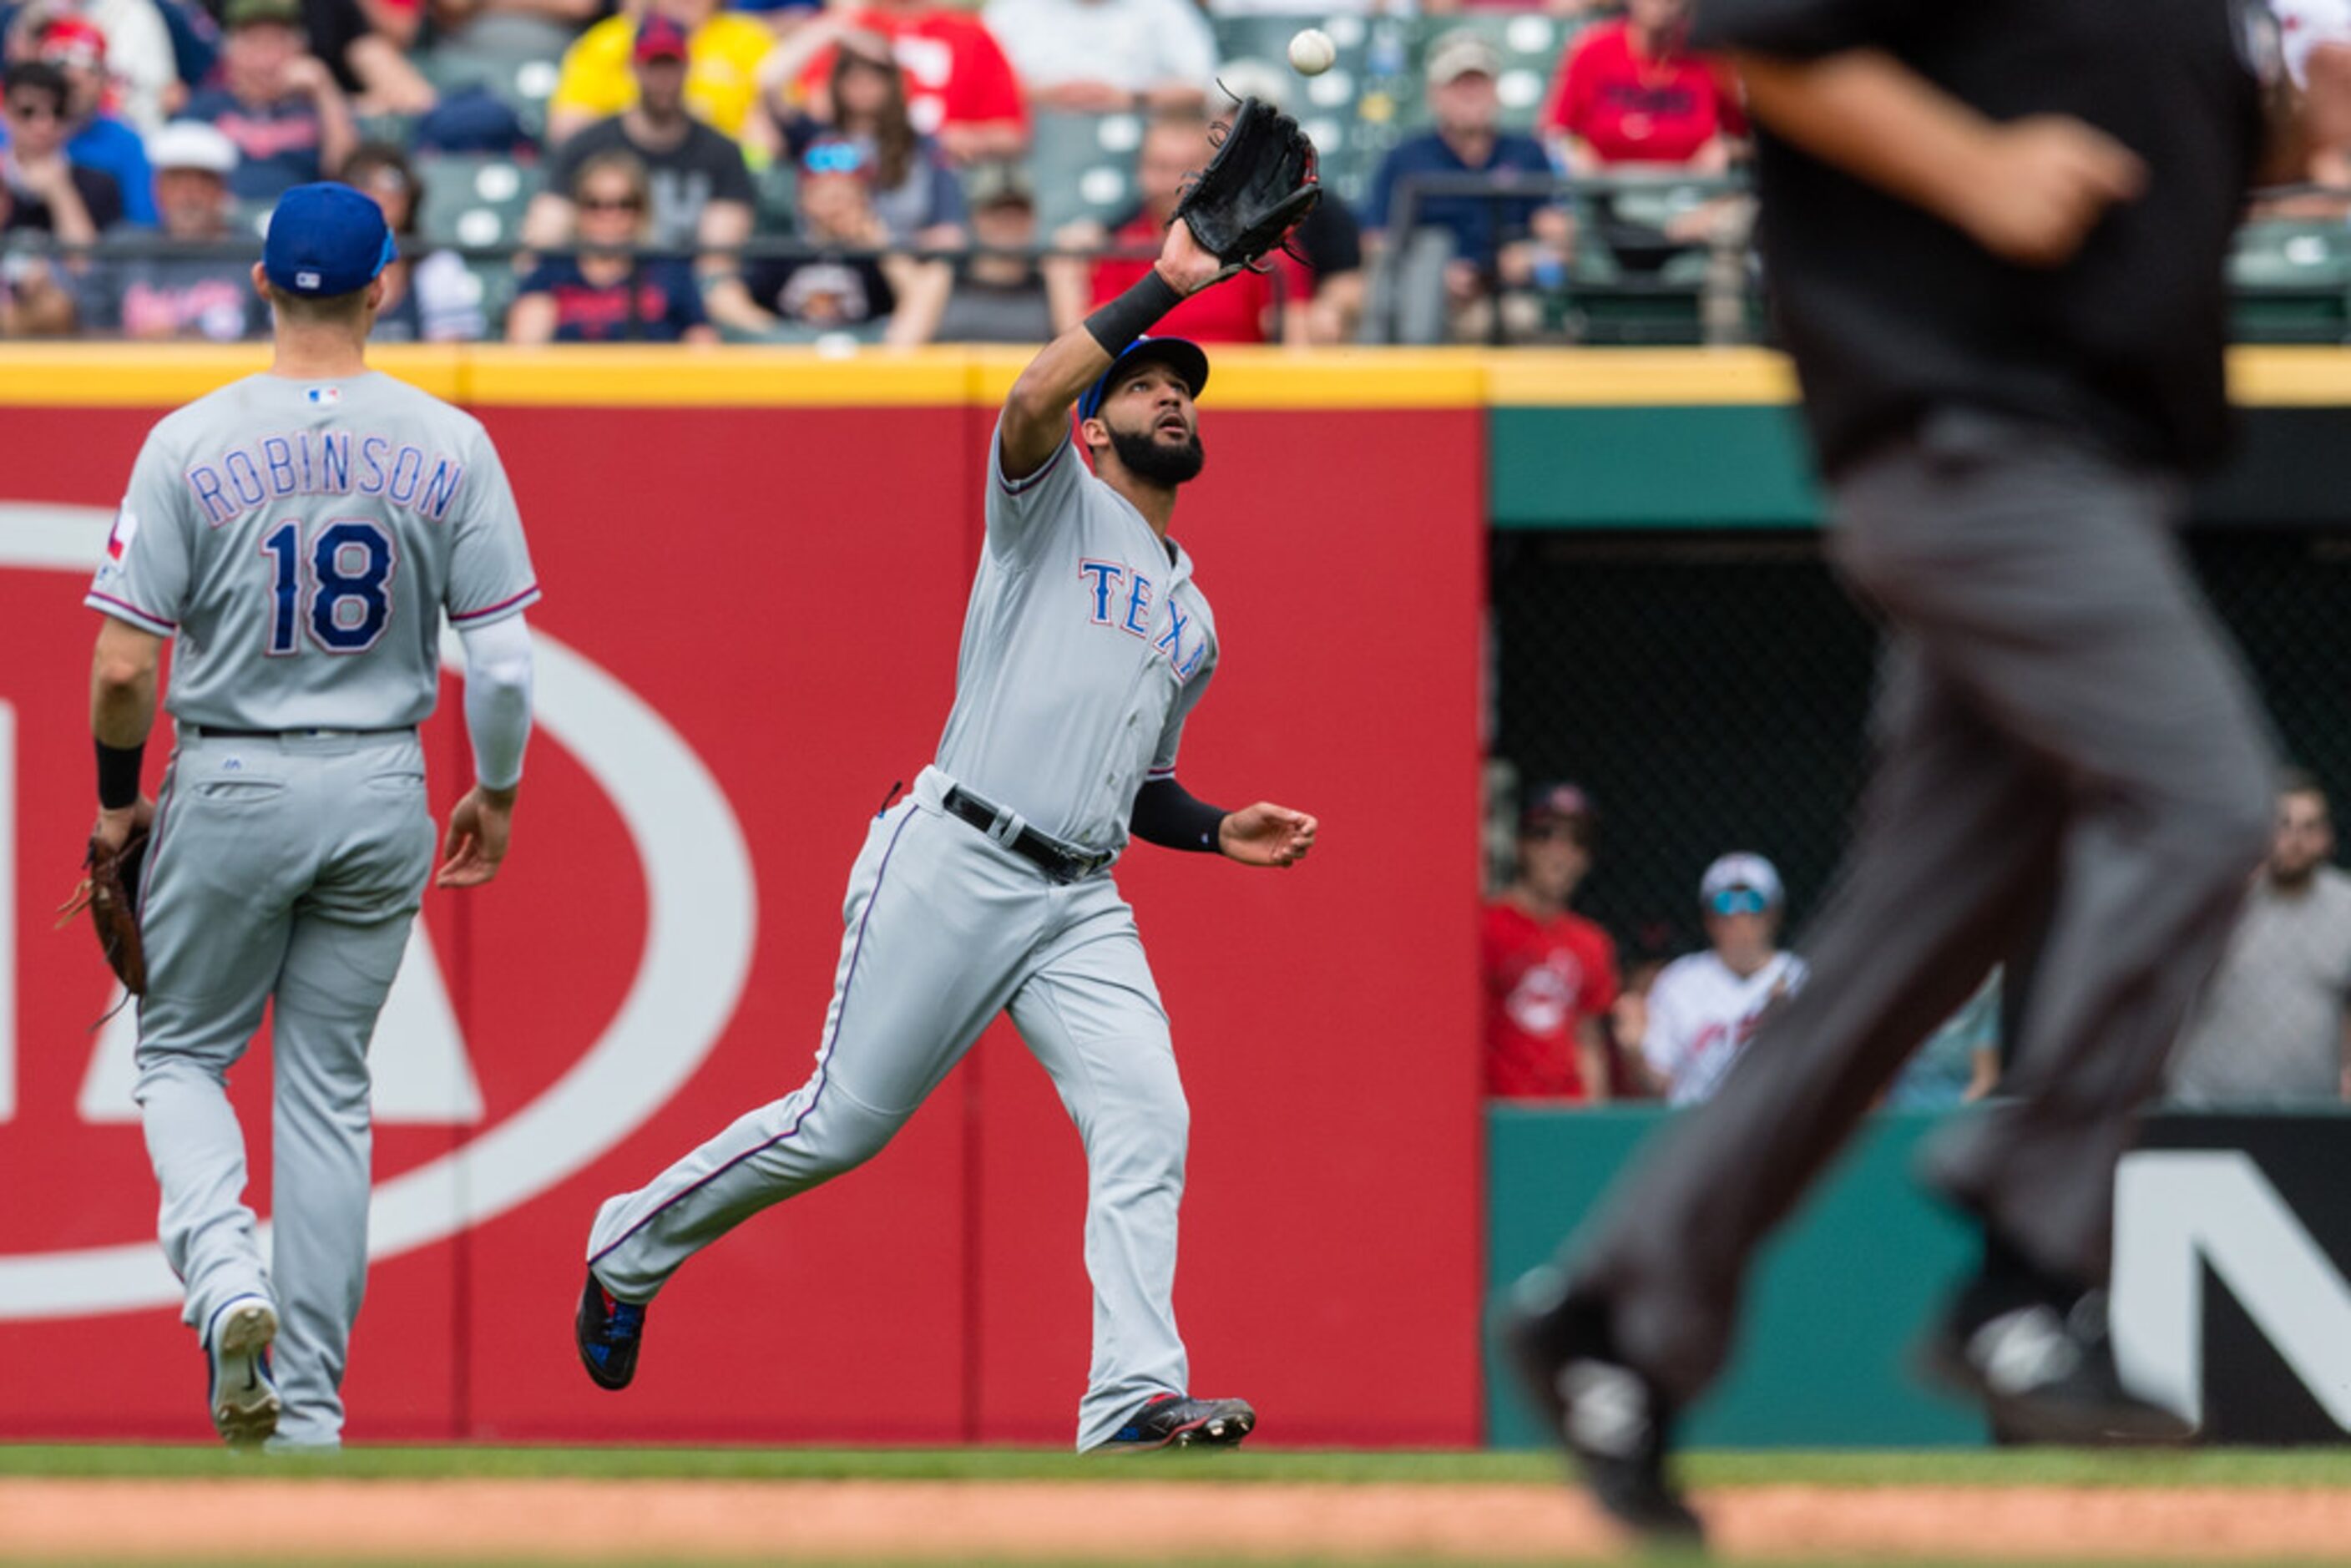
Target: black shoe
(2038,1358)
(1615,1422)
(609,1333)
(1174,1421)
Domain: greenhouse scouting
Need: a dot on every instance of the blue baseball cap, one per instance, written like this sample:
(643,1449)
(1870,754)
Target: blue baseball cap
(326,240)
(1182,355)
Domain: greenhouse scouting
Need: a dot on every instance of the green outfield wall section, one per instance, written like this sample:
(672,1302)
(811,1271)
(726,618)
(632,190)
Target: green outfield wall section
(1601,467)
(1834,1309)
(1746,466)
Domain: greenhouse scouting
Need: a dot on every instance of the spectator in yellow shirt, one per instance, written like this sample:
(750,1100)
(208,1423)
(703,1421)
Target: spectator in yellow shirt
(724,49)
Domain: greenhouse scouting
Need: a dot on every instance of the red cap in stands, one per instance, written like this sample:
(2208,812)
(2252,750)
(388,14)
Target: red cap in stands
(660,38)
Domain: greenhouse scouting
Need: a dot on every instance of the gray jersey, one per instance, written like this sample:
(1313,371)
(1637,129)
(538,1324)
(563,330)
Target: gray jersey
(301,540)
(1084,646)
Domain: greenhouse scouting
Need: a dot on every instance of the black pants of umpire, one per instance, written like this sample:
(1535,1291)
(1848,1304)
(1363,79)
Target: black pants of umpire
(2062,725)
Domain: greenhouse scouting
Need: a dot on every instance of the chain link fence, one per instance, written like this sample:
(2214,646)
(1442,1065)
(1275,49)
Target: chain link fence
(1711,692)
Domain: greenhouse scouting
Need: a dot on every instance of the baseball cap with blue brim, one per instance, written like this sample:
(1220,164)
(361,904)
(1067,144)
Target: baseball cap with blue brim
(326,240)
(1740,884)
(1182,355)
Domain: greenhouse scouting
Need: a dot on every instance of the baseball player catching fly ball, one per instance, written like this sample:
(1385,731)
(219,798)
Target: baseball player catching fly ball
(1086,644)
(300,533)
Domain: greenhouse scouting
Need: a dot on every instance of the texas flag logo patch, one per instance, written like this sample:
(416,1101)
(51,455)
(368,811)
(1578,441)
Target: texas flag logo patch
(324,397)
(117,539)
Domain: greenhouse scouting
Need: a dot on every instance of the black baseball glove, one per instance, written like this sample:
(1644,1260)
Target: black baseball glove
(1260,184)
(109,891)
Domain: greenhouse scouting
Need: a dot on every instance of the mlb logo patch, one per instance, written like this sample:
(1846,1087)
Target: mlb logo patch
(306,280)
(325,397)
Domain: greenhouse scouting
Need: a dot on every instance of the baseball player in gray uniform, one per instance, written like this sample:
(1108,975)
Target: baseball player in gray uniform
(1086,644)
(300,534)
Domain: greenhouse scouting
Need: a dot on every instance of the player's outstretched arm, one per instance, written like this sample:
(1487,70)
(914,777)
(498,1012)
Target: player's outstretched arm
(1266,834)
(1037,413)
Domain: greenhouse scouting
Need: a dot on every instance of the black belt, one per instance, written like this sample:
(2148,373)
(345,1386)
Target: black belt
(1058,863)
(209,732)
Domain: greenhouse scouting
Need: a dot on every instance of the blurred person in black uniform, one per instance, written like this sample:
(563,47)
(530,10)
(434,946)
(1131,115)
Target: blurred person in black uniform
(1996,233)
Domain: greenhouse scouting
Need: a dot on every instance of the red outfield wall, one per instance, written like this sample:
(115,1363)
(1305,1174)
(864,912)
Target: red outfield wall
(783,587)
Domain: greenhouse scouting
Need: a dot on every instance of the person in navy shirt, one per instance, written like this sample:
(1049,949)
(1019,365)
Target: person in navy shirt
(601,294)
(291,124)
(1492,241)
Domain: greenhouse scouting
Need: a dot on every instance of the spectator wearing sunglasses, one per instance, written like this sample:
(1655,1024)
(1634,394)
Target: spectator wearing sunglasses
(1549,975)
(1704,1009)
(854,283)
(605,294)
(49,192)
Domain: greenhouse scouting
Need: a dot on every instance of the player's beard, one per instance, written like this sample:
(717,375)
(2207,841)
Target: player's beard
(1144,458)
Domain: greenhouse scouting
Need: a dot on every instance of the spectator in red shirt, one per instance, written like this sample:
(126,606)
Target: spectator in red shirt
(960,88)
(1239,310)
(1549,974)
(1629,91)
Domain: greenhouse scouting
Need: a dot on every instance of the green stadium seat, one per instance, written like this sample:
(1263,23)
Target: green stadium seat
(1083,166)
(471,198)
(2290,282)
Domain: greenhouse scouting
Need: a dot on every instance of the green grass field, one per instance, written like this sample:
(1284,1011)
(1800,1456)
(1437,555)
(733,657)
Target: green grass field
(2319,1468)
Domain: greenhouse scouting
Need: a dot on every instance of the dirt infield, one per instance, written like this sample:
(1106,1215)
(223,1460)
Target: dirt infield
(640,1521)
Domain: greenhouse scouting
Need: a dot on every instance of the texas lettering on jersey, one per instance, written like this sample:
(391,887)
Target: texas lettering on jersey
(1118,595)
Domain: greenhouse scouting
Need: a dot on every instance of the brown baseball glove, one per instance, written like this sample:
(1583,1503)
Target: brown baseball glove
(109,891)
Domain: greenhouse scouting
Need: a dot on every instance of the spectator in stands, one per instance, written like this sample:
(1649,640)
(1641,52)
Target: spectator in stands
(724,49)
(1241,310)
(1628,1020)
(1960,1062)
(365,45)
(98,138)
(1631,92)
(1328,244)
(999,294)
(195,50)
(279,103)
(145,83)
(1549,975)
(1101,56)
(603,294)
(156,299)
(854,284)
(2270,1025)
(34,300)
(702,194)
(1704,1009)
(960,88)
(1463,250)
(428,296)
(913,191)
(70,201)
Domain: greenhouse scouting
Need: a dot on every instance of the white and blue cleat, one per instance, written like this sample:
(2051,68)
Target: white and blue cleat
(243,1393)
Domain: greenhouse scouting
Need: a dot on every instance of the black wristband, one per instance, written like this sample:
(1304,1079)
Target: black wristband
(118,775)
(1133,313)
(1169,815)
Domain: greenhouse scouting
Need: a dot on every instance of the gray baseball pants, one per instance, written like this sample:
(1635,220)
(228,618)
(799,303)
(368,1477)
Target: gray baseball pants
(2060,706)
(287,871)
(944,928)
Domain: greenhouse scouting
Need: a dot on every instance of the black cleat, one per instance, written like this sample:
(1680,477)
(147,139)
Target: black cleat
(1175,1421)
(1614,1422)
(609,1333)
(2042,1368)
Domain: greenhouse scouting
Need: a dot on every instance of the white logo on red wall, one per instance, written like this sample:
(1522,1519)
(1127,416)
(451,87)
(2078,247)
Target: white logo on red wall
(700,907)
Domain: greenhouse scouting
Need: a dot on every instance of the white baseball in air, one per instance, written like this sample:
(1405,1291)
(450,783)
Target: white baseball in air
(1311,52)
